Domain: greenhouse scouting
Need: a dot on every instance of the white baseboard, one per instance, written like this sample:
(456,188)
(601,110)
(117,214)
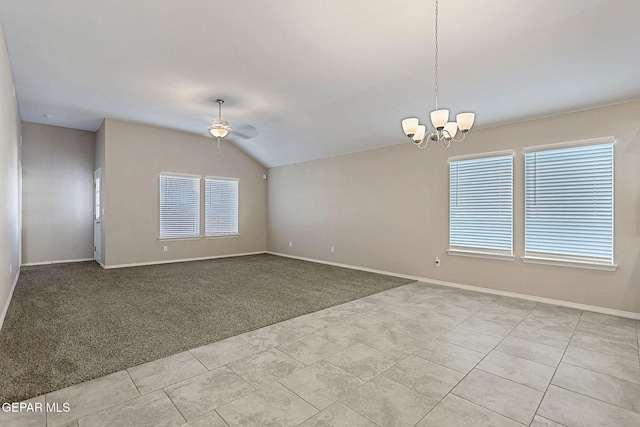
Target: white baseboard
(6,306)
(594,308)
(171,261)
(62,261)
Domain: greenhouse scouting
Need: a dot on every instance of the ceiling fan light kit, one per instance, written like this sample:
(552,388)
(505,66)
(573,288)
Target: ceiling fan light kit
(219,128)
(446,131)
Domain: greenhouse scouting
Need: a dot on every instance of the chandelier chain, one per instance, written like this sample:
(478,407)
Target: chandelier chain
(446,131)
(436,62)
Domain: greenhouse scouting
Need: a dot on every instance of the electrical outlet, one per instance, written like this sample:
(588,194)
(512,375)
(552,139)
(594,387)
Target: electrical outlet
(290,244)
(165,249)
(333,249)
(437,262)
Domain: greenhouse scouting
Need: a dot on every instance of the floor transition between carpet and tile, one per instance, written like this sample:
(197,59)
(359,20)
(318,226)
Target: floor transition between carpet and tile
(416,355)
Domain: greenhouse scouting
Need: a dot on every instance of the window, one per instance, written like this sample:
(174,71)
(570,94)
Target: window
(221,206)
(569,203)
(481,205)
(179,206)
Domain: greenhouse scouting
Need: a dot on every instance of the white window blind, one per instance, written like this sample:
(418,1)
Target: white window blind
(179,206)
(569,203)
(481,204)
(221,206)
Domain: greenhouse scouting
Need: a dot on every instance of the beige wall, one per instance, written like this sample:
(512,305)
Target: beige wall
(9,180)
(57,192)
(387,209)
(134,157)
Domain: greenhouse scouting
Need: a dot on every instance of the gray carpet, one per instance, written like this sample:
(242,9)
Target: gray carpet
(69,323)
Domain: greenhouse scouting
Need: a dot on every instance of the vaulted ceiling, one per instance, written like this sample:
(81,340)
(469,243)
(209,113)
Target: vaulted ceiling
(316,78)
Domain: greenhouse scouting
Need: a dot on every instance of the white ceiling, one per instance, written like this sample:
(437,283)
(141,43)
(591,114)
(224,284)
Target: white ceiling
(316,78)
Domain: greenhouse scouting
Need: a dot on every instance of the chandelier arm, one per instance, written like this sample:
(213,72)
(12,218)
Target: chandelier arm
(446,136)
(422,144)
(425,140)
(461,139)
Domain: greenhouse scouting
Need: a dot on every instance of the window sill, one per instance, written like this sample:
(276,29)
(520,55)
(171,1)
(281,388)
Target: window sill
(174,239)
(569,263)
(478,254)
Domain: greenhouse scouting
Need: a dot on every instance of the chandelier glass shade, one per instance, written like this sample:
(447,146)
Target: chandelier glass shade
(445,130)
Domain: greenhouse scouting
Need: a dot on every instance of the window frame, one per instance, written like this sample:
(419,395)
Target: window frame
(589,262)
(477,251)
(214,235)
(160,206)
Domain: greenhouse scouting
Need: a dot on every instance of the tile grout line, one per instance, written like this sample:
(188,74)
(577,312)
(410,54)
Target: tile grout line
(332,403)
(559,363)
(401,359)
(382,351)
(601,373)
(596,399)
(216,409)
(103,409)
(120,403)
(637,322)
(424,343)
(474,367)
(488,409)
(302,398)
(604,353)
(174,405)
(607,354)
(592,335)
(480,361)
(46,418)
(134,384)
(198,360)
(465,375)
(220,415)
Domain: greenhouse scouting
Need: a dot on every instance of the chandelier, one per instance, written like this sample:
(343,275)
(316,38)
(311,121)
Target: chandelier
(445,130)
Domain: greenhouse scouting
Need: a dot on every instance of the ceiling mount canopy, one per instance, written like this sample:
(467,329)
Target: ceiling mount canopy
(445,130)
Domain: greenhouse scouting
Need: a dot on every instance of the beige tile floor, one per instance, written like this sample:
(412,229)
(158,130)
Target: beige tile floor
(417,355)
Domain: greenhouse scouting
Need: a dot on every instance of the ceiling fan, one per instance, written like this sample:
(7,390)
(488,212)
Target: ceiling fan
(219,128)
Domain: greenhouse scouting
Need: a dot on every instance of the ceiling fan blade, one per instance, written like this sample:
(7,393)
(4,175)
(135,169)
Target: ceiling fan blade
(243,130)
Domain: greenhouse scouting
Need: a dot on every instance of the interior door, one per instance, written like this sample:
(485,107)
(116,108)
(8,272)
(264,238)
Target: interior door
(97,217)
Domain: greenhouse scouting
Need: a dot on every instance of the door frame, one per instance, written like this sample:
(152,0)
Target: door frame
(97,215)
